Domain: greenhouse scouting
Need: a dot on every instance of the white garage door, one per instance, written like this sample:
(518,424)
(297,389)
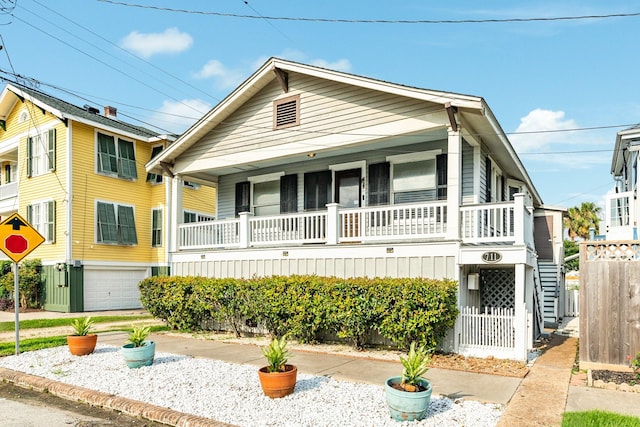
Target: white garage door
(106,289)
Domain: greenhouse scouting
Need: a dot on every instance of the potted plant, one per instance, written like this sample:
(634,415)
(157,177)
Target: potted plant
(139,351)
(409,395)
(278,378)
(82,342)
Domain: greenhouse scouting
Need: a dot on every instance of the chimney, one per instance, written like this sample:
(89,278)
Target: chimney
(110,112)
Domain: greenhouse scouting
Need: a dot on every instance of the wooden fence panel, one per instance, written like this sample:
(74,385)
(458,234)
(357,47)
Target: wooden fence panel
(609,302)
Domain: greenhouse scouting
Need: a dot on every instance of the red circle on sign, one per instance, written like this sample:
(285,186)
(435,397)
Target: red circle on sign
(16,244)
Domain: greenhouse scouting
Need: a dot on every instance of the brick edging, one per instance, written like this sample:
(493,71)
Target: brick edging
(104,400)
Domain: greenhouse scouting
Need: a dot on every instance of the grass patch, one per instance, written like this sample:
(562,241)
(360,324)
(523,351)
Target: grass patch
(33,344)
(66,321)
(598,419)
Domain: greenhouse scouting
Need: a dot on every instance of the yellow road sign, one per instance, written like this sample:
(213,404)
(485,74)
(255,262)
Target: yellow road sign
(18,238)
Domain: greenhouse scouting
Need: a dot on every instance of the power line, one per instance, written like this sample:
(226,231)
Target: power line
(376,21)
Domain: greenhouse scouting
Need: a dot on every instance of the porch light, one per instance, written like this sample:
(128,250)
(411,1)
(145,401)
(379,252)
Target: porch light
(311,155)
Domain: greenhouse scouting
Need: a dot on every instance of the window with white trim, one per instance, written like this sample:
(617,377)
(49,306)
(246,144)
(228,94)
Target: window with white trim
(42,216)
(116,157)
(115,224)
(413,177)
(156,227)
(41,153)
(155,178)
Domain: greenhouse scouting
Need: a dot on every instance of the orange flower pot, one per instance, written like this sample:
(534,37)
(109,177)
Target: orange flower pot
(278,384)
(81,345)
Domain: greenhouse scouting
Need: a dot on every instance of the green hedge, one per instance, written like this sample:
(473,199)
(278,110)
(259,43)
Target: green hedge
(303,307)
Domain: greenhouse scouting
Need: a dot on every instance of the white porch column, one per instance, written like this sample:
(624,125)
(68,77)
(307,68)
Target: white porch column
(518,218)
(521,321)
(176,213)
(333,224)
(454,152)
(245,235)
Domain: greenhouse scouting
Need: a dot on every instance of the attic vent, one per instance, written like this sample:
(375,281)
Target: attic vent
(23,117)
(286,112)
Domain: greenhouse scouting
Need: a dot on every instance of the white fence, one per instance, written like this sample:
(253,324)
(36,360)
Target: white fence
(488,333)
(571,302)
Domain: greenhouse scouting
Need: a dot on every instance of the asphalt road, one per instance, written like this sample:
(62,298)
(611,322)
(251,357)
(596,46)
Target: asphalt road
(21,407)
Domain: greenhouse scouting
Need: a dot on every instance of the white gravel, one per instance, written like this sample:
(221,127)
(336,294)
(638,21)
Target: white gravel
(231,393)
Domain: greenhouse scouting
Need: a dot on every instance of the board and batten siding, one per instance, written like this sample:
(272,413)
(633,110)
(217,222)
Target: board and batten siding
(226,183)
(609,304)
(326,108)
(322,263)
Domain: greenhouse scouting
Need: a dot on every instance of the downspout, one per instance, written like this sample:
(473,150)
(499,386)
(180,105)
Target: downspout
(168,221)
(69,240)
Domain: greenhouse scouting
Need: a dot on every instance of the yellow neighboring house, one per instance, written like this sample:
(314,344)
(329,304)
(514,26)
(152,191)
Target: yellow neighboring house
(78,176)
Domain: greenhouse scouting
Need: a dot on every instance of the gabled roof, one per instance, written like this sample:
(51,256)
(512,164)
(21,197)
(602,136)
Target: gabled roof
(479,113)
(625,139)
(65,110)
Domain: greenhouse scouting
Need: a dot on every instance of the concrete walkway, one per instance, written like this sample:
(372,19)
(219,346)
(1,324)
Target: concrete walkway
(541,397)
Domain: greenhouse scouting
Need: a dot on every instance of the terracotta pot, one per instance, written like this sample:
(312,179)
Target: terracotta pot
(278,384)
(81,345)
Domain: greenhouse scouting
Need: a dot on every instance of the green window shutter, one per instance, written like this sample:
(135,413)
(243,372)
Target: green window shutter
(30,214)
(127,158)
(29,157)
(156,227)
(243,197)
(51,221)
(379,184)
(107,159)
(289,193)
(107,226)
(127,226)
(441,176)
(52,149)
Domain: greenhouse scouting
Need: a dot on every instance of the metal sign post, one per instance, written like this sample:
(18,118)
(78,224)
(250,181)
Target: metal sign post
(17,239)
(16,304)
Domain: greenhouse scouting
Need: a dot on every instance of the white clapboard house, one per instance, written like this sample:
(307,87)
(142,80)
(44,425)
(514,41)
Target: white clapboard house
(334,174)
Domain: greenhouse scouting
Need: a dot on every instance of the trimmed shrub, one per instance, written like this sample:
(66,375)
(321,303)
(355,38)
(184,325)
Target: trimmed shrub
(301,307)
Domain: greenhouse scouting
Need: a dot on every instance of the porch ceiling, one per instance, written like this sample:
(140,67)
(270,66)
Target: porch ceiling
(210,169)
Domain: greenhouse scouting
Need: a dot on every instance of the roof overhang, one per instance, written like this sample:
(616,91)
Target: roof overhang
(628,139)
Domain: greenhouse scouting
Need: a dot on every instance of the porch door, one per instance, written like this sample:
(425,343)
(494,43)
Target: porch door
(348,195)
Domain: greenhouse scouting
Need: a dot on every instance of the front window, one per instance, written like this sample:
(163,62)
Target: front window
(116,157)
(116,224)
(41,153)
(42,217)
(266,198)
(414,177)
(619,211)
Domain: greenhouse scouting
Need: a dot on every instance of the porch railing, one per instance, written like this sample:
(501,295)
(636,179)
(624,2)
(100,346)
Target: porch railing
(8,190)
(478,223)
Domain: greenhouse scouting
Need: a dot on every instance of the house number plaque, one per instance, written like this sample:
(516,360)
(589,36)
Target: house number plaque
(491,257)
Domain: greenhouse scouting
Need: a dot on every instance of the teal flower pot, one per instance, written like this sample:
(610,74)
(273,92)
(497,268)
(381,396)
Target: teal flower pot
(405,405)
(136,357)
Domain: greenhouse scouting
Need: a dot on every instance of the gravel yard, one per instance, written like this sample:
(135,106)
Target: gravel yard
(231,393)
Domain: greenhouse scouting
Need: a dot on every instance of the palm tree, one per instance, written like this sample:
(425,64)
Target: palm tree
(581,219)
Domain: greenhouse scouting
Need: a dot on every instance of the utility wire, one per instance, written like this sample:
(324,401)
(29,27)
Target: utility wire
(376,21)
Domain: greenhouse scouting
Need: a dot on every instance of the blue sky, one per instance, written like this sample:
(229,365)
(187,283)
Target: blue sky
(542,79)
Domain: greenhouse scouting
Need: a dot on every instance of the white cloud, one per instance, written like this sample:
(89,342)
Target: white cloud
(228,78)
(177,116)
(149,44)
(541,123)
(225,77)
